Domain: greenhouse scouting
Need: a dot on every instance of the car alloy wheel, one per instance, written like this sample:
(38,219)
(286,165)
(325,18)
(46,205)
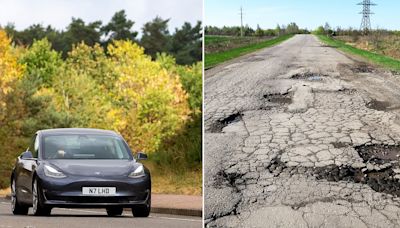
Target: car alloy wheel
(16,207)
(35,200)
(13,196)
(37,203)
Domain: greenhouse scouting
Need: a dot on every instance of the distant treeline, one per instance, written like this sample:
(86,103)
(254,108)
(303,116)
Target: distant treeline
(184,44)
(291,28)
(354,32)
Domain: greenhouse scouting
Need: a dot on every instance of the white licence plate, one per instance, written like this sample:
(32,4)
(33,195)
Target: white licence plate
(99,191)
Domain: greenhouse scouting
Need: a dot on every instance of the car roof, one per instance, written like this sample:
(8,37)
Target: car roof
(57,131)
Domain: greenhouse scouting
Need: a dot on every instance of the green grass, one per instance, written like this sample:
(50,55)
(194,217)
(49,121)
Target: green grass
(214,59)
(374,58)
(209,39)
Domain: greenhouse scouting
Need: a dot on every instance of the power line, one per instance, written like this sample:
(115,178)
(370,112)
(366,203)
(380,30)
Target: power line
(366,12)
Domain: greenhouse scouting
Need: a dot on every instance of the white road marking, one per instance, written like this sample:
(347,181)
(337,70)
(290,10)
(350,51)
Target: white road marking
(126,214)
(181,219)
(80,210)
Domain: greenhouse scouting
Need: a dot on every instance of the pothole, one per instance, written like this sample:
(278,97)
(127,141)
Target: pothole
(379,154)
(228,179)
(254,59)
(276,166)
(220,124)
(362,68)
(384,180)
(278,98)
(308,76)
(338,173)
(378,105)
(379,181)
(348,91)
(339,145)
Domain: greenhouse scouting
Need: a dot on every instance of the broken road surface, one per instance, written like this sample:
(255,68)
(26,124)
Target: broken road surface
(301,135)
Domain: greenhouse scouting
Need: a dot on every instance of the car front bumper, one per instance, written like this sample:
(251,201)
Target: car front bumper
(67,192)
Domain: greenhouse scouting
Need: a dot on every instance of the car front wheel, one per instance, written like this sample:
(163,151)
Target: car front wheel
(16,207)
(37,201)
(142,210)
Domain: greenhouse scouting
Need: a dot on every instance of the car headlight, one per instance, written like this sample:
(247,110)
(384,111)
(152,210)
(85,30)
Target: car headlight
(139,172)
(52,172)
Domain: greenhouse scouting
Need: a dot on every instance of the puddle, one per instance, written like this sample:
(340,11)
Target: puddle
(278,98)
(378,105)
(315,78)
(220,124)
(378,154)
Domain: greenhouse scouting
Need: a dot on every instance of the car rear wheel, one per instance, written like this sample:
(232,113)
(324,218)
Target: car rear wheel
(16,207)
(142,210)
(37,201)
(114,211)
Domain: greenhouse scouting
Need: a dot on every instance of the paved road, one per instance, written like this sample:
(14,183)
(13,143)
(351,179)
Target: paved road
(88,218)
(300,135)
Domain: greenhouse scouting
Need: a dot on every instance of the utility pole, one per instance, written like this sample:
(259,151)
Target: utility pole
(366,12)
(241,21)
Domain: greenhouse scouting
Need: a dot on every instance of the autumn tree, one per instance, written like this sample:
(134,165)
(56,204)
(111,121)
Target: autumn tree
(10,71)
(151,103)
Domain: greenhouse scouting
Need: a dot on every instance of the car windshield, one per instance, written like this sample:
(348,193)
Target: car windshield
(84,147)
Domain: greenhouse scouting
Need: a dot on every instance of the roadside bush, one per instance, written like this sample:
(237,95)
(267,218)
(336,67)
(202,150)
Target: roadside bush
(183,150)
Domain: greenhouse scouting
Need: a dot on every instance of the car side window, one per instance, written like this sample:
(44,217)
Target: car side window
(35,146)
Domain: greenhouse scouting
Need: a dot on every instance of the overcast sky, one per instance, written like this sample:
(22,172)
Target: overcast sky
(306,13)
(58,13)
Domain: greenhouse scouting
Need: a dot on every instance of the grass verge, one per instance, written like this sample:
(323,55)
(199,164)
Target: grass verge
(214,59)
(4,192)
(167,181)
(378,59)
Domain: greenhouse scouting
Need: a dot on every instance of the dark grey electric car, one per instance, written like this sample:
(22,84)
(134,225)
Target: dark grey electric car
(74,167)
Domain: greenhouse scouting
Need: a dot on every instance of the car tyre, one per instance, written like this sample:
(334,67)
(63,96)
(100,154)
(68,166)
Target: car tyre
(114,211)
(142,210)
(39,209)
(16,207)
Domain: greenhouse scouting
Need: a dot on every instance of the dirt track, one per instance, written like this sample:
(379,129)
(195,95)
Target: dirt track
(301,135)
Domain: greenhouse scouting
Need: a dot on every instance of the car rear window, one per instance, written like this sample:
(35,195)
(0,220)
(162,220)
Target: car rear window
(84,147)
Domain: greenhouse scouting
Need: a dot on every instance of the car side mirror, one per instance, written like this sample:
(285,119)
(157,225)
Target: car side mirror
(141,156)
(27,155)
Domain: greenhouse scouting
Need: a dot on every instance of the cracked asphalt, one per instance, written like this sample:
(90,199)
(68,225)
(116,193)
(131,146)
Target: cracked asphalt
(301,135)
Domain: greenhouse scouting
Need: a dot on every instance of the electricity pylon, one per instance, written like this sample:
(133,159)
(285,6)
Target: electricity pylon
(366,12)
